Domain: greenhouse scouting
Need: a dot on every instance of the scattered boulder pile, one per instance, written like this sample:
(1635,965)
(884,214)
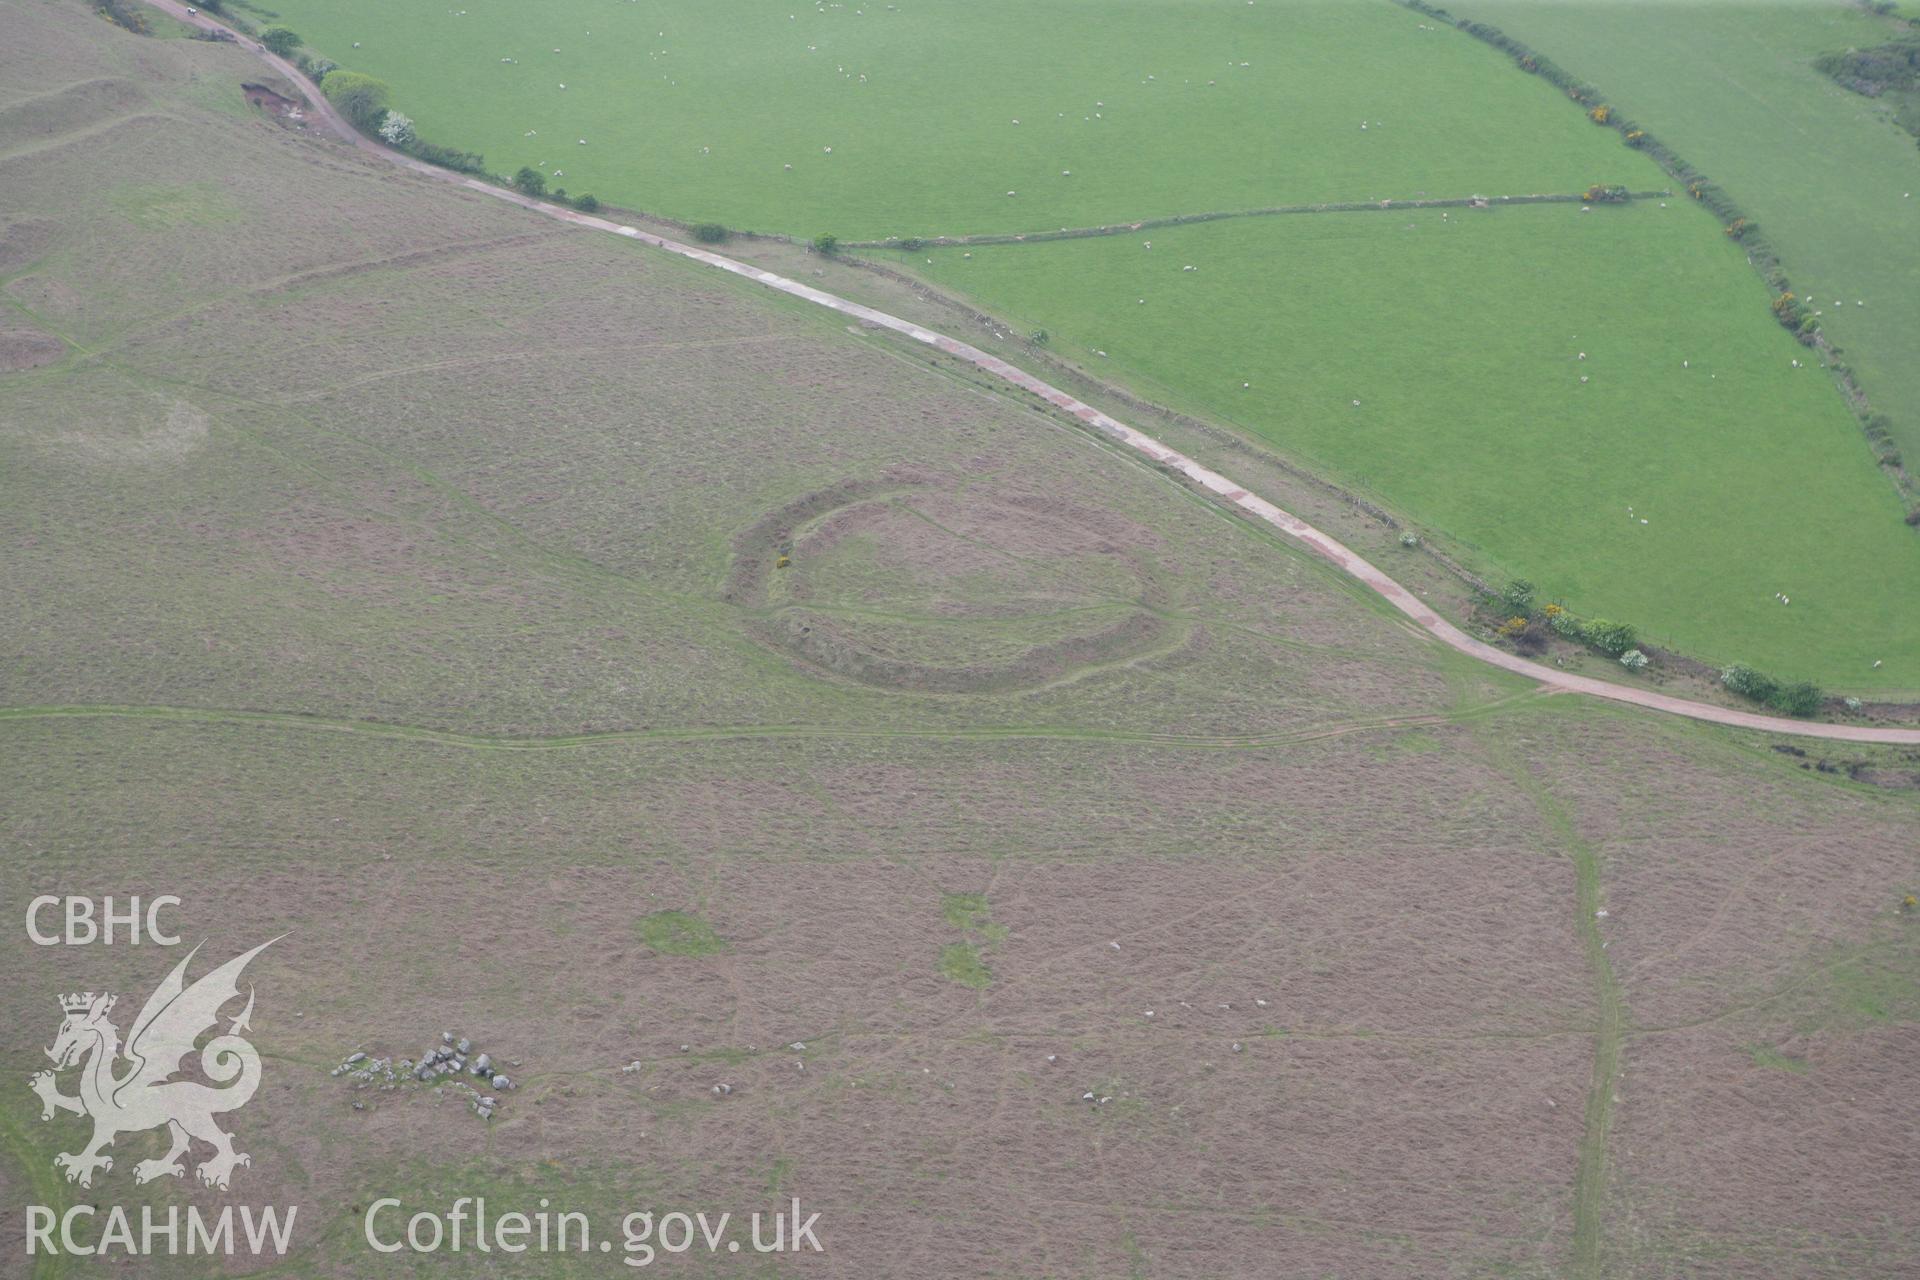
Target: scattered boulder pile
(446,1065)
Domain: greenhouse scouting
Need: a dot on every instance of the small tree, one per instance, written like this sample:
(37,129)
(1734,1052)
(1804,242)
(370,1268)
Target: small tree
(1519,596)
(530,182)
(281,40)
(710,233)
(1634,661)
(361,98)
(826,245)
(586,204)
(397,130)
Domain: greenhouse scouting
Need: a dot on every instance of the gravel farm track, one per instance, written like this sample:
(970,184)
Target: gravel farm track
(1213,482)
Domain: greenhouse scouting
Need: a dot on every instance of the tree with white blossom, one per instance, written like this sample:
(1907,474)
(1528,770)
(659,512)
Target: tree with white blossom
(397,129)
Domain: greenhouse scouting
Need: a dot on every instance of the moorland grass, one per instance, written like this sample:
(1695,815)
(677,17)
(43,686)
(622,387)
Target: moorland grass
(1460,336)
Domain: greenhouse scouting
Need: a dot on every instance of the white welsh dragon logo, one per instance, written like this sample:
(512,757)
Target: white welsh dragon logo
(147,1095)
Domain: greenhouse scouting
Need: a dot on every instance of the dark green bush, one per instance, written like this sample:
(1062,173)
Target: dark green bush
(125,13)
(587,204)
(280,40)
(448,157)
(1610,638)
(827,245)
(1801,699)
(711,233)
(530,181)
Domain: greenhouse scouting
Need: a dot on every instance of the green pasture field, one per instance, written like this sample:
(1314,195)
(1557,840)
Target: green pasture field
(1126,110)
(1459,333)
(1831,179)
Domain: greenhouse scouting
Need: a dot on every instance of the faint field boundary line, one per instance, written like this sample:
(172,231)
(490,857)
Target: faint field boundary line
(1002,733)
(1188,219)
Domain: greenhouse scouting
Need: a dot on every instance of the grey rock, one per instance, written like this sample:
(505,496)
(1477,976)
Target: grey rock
(463,1046)
(446,1037)
(356,1057)
(502,1083)
(483,1065)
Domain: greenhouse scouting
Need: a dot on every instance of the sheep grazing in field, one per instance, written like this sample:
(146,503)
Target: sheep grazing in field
(1187,268)
(1583,379)
(1583,355)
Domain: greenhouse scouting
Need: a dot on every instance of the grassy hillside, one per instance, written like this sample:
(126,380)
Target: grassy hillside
(1680,477)
(1833,181)
(1128,110)
(400,573)
(1754,481)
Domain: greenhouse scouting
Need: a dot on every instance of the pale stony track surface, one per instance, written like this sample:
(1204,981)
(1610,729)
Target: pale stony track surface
(1223,488)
